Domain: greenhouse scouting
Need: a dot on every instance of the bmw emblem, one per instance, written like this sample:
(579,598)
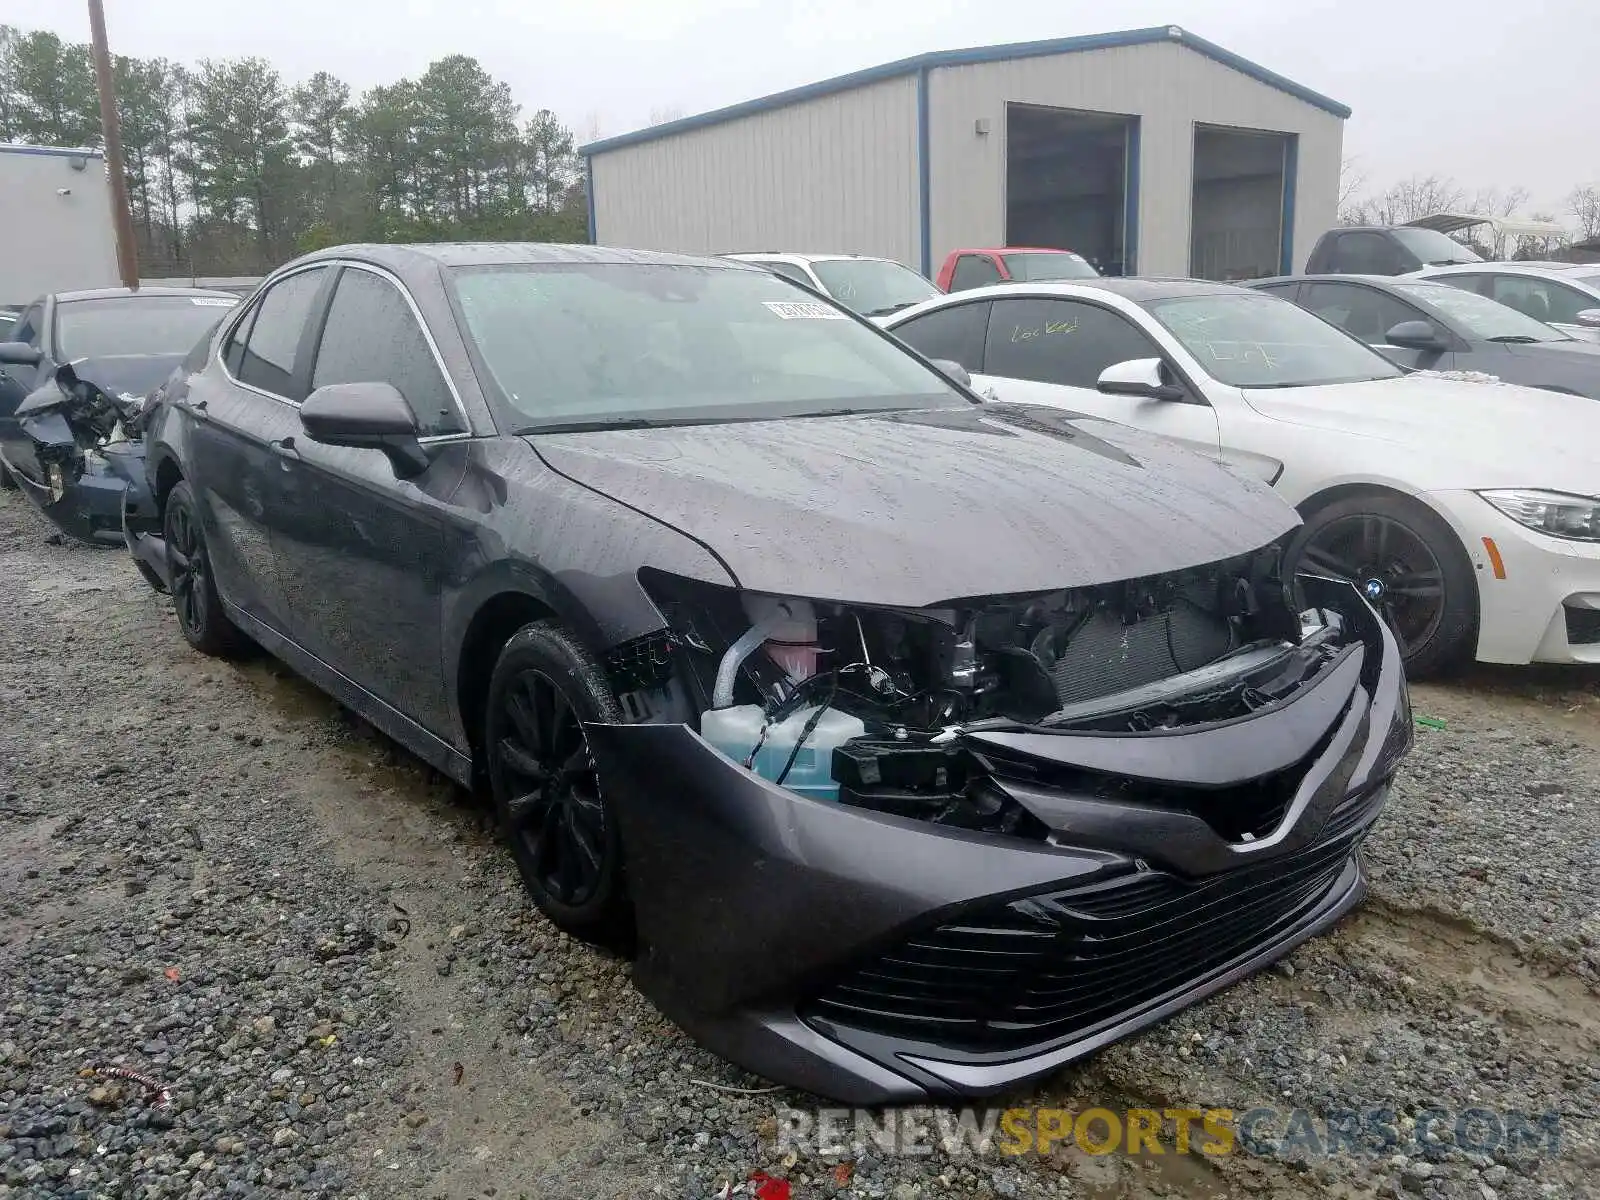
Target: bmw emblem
(1373,589)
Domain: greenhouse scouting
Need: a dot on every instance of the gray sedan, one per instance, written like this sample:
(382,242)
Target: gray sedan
(1436,327)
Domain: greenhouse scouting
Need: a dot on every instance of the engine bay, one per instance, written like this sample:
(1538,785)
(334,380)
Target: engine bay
(871,706)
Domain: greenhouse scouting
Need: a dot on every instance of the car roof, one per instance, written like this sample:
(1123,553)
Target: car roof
(409,256)
(798,256)
(1012,250)
(418,264)
(1387,282)
(1137,289)
(120,293)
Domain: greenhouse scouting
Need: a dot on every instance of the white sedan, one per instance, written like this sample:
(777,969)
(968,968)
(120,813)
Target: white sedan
(1468,512)
(1565,295)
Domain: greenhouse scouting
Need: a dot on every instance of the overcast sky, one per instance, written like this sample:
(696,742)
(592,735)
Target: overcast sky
(1496,94)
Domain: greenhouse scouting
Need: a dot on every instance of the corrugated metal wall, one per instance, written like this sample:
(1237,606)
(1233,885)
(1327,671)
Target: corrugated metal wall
(836,174)
(69,241)
(1170,88)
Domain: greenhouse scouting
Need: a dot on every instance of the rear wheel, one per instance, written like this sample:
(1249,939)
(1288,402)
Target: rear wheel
(1407,563)
(194,592)
(560,829)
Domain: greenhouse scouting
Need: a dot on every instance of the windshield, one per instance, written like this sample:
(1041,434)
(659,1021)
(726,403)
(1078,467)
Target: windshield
(872,286)
(1480,316)
(596,344)
(1256,341)
(127,325)
(1057,264)
(1434,248)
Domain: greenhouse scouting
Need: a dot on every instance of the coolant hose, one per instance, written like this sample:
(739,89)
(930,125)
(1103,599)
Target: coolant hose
(728,669)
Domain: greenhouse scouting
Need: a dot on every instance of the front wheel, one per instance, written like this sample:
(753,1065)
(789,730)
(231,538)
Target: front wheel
(560,829)
(1407,563)
(194,592)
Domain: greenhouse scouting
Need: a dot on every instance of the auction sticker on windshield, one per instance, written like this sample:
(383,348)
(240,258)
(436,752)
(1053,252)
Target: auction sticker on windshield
(212,301)
(804,310)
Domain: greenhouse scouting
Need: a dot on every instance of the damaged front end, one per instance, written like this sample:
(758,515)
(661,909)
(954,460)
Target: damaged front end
(78,455)
(888,854)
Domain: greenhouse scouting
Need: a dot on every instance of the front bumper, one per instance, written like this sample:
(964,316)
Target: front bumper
(1546,609)
(90,506)
(876,959)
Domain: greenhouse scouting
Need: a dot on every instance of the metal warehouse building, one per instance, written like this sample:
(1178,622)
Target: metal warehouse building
(1150,151)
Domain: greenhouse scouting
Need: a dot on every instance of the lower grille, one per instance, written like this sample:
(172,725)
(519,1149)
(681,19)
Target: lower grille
(1583,626)
(1057,966)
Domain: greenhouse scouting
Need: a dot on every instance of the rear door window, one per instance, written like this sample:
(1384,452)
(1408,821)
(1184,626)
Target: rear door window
(372,336)
(270,358)
(956,333)
(1542,299)
(1065,342)
(973,270)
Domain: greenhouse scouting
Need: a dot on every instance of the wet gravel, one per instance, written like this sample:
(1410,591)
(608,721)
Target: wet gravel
(210,875)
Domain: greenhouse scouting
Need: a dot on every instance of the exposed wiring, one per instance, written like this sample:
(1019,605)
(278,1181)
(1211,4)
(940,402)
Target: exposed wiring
(810,728)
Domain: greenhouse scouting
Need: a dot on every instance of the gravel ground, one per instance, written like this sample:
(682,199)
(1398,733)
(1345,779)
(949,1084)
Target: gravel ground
(212,876)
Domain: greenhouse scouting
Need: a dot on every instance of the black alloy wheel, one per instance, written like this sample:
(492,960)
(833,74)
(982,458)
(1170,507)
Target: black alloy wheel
(194,592)
(557,824)
(1406,562)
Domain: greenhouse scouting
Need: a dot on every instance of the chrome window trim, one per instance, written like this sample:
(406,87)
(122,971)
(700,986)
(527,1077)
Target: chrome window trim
(416,312)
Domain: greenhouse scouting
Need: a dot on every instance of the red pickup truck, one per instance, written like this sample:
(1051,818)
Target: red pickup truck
(974,268)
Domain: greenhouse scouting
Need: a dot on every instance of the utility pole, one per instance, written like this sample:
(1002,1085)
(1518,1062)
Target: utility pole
(122,218)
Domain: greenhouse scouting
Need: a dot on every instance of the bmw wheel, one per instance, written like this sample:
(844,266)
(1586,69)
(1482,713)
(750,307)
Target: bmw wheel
(1407,563)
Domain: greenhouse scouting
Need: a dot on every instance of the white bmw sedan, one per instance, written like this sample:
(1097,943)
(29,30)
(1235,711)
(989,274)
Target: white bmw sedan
(1467,511)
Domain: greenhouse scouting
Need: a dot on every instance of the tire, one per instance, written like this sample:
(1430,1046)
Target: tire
(1403,557)
(194,591)
(559,828)
(7,483)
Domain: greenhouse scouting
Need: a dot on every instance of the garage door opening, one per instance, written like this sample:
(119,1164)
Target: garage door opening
(1067,183)
(1238,214)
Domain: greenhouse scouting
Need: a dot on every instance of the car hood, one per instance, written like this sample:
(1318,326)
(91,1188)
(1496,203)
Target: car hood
(916,508)
(127,374)
(1476,434)
(1580,354)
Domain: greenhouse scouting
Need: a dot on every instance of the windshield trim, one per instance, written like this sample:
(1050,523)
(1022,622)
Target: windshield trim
(510,421)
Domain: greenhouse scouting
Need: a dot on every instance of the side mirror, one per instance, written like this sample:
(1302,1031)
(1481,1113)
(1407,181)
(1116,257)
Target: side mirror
(66,377)
(955,370)
(1588,317)
(1147,378)
(366,416)
(1415,335)
(19,354)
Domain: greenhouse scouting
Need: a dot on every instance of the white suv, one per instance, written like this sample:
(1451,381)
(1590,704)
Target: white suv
(873,287)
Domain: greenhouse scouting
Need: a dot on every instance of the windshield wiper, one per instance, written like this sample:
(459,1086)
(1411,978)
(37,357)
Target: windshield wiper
(1521,339)
(1450,262)
(892,308)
